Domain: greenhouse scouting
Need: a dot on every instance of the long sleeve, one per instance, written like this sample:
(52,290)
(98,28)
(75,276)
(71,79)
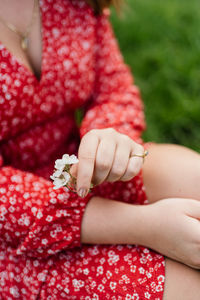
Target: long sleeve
(116,100)
(35,219)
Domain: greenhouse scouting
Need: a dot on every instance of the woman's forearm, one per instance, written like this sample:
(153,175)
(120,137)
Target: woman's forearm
(107,221)
(170,226)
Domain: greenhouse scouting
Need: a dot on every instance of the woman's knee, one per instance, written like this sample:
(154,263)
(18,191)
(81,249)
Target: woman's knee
(171,171)
(182,282)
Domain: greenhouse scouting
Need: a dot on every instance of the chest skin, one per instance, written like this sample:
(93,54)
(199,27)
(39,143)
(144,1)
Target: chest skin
(10,13)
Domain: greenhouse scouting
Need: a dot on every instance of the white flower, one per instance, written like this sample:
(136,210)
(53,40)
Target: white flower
(61,181)
(61,177)
(66,160)
(69,160)
(58,183)
(59,165)
(56,174)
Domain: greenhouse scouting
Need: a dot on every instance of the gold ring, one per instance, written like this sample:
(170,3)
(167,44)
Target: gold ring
(141,155)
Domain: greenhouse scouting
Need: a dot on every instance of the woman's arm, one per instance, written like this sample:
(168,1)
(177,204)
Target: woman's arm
(35,218)
(169,226)
(116,105)
(107,221)
(38,221)
(116,101)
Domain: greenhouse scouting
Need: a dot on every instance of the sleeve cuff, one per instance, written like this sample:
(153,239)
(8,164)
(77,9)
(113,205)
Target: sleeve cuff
(57,226)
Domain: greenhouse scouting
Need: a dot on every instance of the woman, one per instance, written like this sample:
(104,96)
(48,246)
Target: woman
(43,80)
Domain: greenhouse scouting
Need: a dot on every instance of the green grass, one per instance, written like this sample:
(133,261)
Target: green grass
(160,40)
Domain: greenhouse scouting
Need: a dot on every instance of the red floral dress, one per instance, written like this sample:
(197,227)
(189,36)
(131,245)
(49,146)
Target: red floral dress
(41,256)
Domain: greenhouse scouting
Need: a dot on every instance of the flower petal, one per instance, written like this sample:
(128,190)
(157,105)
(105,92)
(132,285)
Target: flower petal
(65,158)
(58,182)
(73,159)
(59,165)
(57,173)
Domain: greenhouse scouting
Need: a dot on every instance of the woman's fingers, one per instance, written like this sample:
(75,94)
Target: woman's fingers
(104,159)
(86,155)
(133,168)
(134,164)
(105,155)
(120,162)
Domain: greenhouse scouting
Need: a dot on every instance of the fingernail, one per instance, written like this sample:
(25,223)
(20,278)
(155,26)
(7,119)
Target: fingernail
(82,192)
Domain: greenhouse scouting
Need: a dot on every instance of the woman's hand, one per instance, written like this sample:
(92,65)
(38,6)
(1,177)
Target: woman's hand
(104,155)
(173,229)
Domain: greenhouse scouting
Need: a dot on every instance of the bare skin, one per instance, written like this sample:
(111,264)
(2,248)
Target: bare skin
(167,165)
(11,40)
(182,282)
(178,168)
(172,166)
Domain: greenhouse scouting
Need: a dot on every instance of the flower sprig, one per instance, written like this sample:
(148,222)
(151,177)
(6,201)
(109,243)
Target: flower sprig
(62,176)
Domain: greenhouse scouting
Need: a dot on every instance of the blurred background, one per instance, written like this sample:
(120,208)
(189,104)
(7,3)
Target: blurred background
(160,41)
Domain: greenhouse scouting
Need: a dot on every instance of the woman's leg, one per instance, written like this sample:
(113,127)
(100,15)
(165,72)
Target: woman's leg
(171,171)
(182,282)
(174,171)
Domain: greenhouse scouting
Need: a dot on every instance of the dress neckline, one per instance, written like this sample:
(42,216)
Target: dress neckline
(21,64)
